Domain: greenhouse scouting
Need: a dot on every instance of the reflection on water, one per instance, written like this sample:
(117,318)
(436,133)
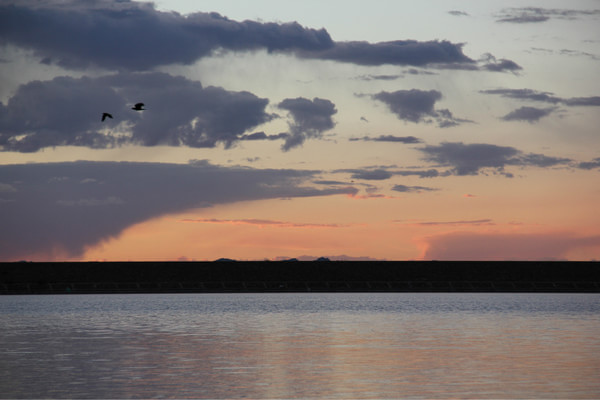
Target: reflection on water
(300,345)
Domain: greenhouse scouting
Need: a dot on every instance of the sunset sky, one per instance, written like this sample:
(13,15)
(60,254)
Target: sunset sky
(389,130)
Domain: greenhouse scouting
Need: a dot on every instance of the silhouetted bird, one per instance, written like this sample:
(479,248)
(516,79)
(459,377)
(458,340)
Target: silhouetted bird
(104,115)
(138,107)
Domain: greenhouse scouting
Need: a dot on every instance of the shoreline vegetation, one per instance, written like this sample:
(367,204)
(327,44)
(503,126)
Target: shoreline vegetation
(322,275)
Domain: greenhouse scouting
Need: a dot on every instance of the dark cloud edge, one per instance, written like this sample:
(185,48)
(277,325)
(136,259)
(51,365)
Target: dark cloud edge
(61,209)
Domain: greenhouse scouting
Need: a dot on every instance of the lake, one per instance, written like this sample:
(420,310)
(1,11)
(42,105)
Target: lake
(308,345)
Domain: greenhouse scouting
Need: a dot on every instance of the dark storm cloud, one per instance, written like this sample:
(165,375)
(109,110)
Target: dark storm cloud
(310,119)
(545,97)
(524,15)
(472,159)
(389,138)
(136,36)
(407,189)
(418,106)
(59,209)
(180,112)
(529,114)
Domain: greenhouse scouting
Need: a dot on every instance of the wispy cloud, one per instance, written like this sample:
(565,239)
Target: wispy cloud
(475,222)
(261,223)
(388,138)
(417,189)
(525,15)
(458,13)
(544,97)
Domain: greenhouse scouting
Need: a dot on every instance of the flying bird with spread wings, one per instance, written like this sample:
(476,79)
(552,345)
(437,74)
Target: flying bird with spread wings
(106,115)
(138,107)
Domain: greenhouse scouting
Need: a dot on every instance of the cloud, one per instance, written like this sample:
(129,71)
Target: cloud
(371,175)
(490,63)
(525,94)
(418,106)
(264,136)
(429,173)
(595,163)
(524,15)
(6,188)
(389,138)
(48,218)
(529,114)
(505,246)
(262,223)
(458,13)
(545,97)
(382,173)
(593,101)
(407,189)
(310,119)
(472,159)
(135,36)
(379,77)
(410,105)
(66,112)
(578,53)
(485,221)
(398,52)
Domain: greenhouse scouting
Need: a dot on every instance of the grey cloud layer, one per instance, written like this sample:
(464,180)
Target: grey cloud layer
(135,36)
(523,15)
(534,114)
(59,209)
(389,138)
(546,97)
(66,111)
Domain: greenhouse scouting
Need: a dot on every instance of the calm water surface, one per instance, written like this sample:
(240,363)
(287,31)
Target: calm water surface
(300,346)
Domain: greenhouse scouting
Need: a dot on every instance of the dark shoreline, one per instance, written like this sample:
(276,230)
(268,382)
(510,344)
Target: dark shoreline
(298,276)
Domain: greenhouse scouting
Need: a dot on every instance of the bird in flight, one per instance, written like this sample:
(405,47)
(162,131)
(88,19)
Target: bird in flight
(106,115)
(138,107)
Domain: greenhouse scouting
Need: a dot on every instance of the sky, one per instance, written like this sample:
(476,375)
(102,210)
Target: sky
(381,130)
